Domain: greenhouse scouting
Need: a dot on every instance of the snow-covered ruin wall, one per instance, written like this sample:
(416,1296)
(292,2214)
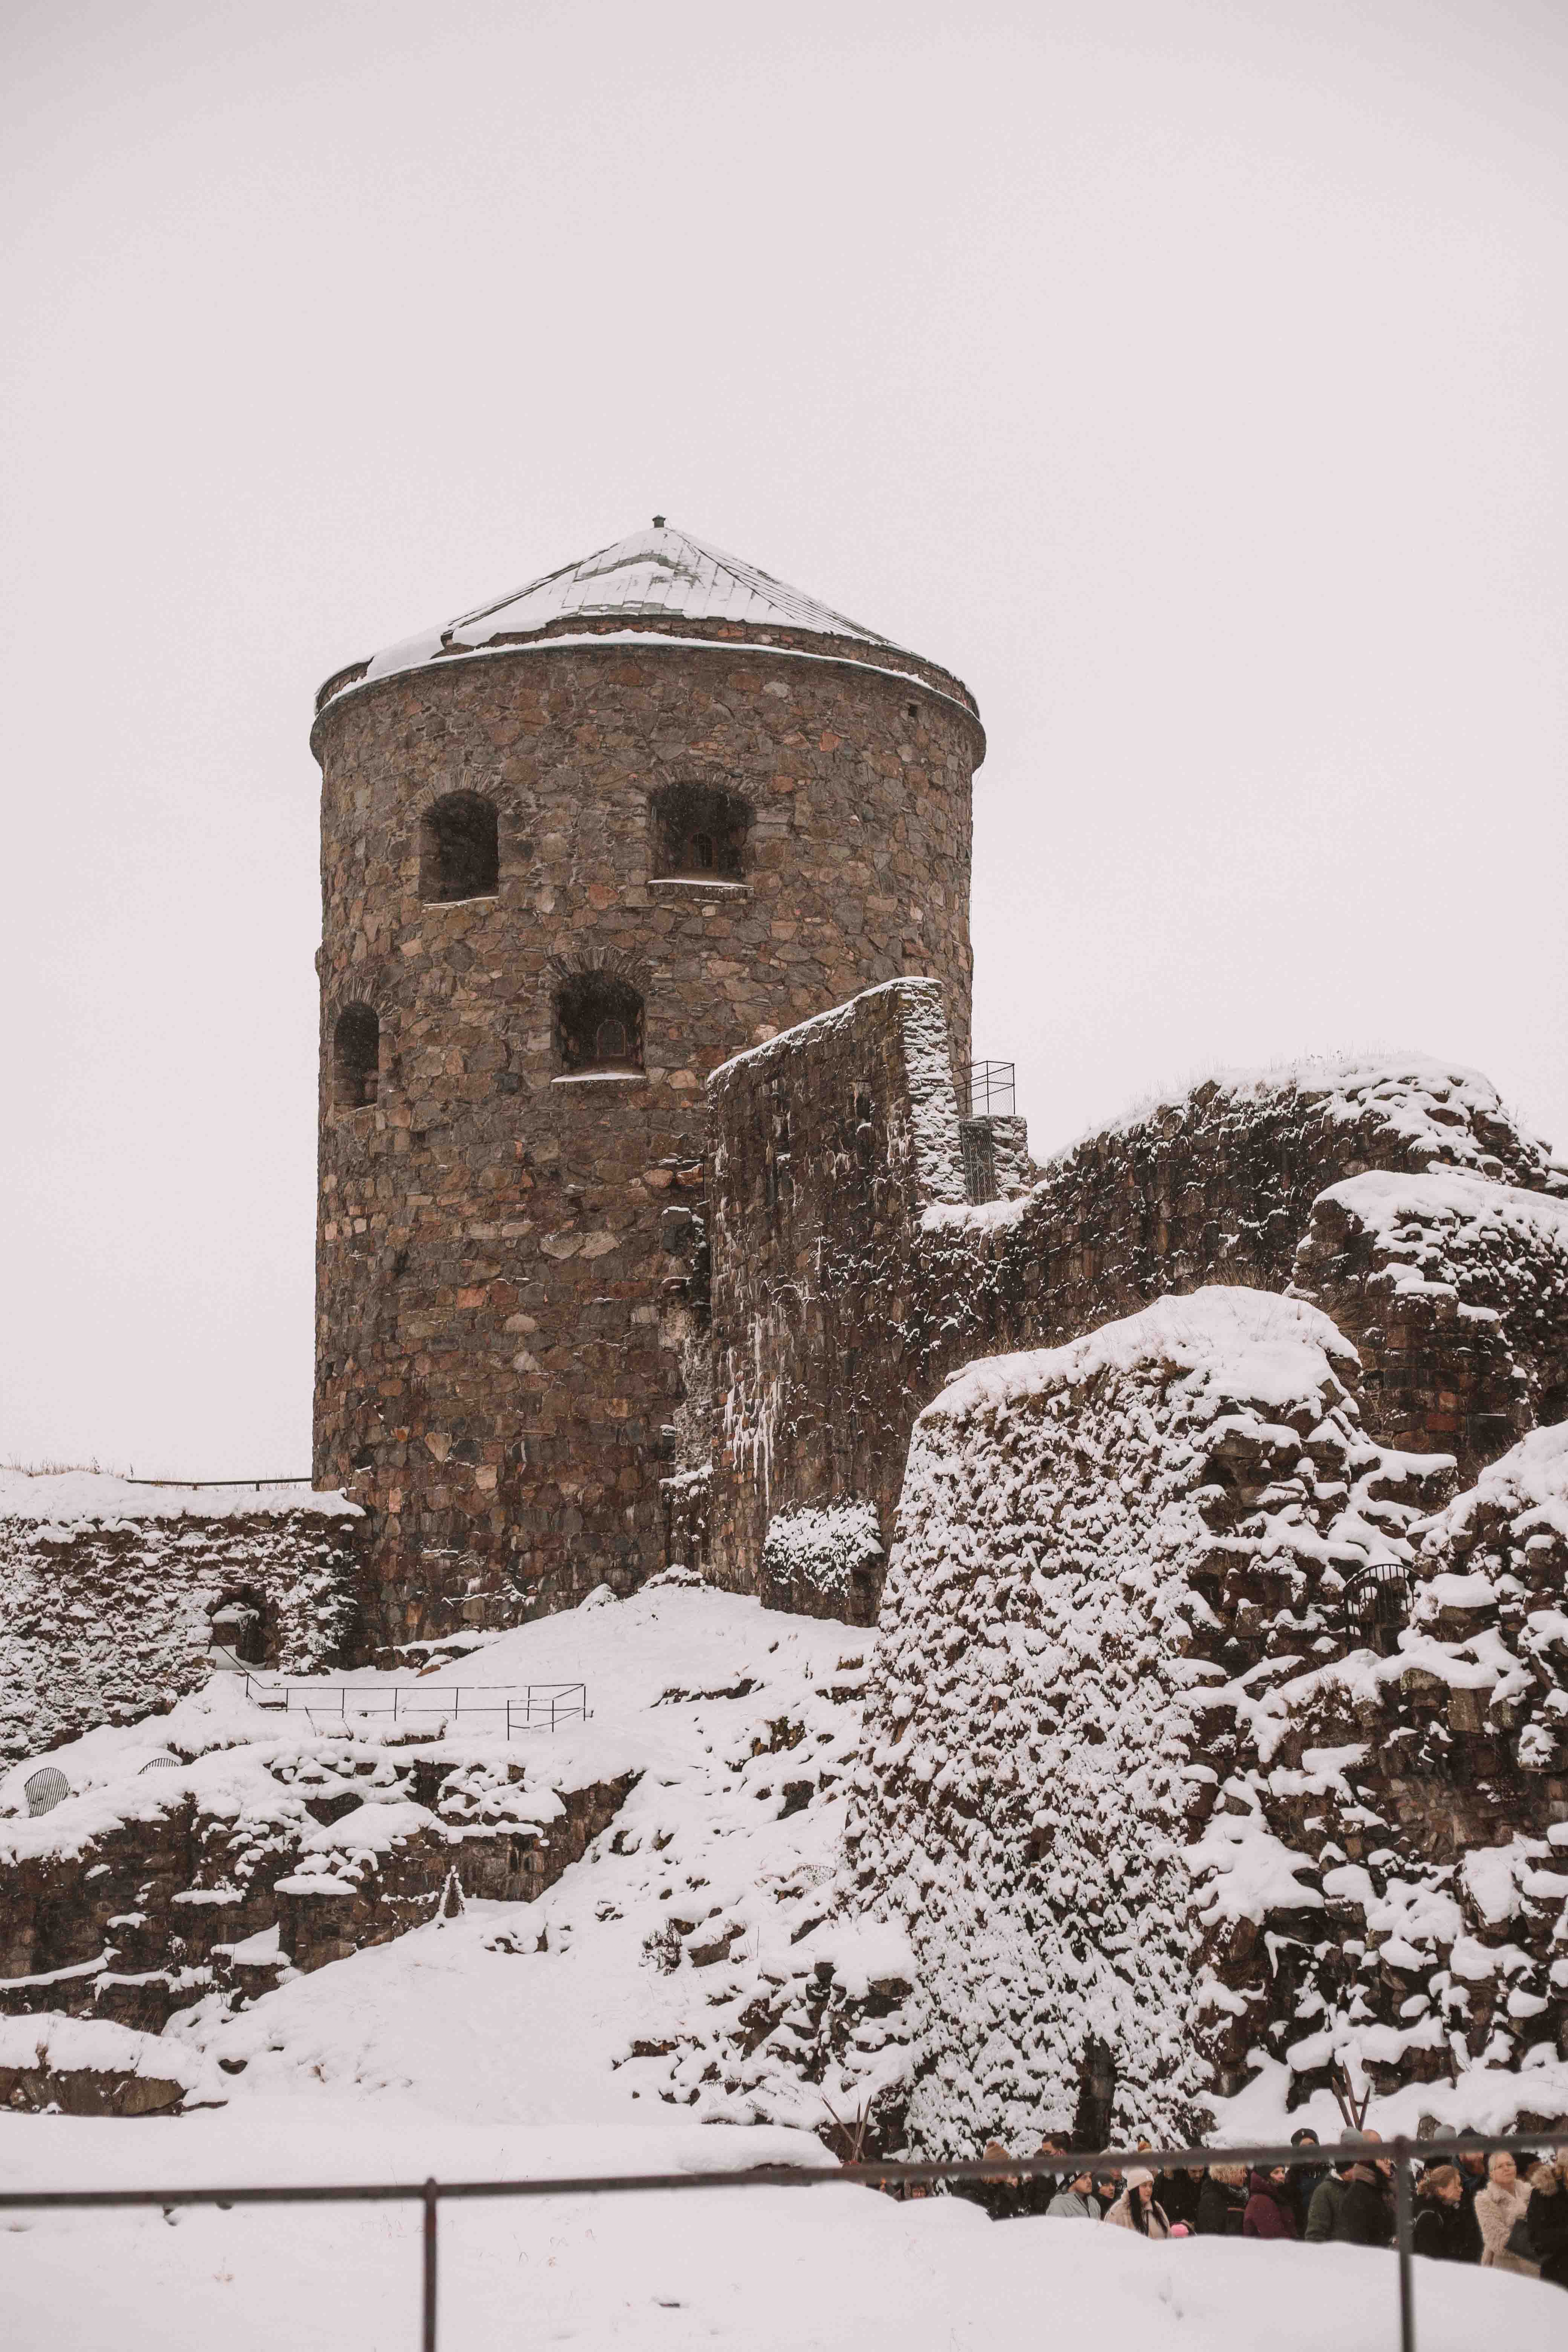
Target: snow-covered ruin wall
(1455,1289)
(1133,1773)
(108,1591)
(826,1147)
(850,1278)
(229,1843)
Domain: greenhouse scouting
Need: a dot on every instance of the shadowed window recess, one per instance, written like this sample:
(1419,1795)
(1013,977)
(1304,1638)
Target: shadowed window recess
(598,1023)
(356,1057)
(701,831)
(460,853)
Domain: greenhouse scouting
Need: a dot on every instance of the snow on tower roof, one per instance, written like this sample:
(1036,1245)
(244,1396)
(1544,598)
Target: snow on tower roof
(655,574)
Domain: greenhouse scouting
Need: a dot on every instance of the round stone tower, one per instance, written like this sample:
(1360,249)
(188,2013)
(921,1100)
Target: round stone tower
(577,848)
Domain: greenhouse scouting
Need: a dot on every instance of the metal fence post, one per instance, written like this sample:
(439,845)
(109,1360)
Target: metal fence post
(1403,2224)
(427,2338)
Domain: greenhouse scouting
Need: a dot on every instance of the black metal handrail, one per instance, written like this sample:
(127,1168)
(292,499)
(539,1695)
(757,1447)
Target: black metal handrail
(993,1092)
(554,1703)
(1396,2152)
(204,1483)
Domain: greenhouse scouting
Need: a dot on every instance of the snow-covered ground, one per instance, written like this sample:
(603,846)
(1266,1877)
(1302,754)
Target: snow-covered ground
(772,2270)
(507,2041)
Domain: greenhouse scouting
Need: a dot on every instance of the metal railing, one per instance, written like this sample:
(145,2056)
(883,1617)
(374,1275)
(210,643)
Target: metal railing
(992,1091)
(195,1484)
(540,1705)
(1397,2153)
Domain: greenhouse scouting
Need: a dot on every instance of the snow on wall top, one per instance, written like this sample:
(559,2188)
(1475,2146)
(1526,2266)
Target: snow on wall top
(1404,1213)
(1453,1112)
(74,1497)
(655,574)
(1526,1490)
(1238,1343)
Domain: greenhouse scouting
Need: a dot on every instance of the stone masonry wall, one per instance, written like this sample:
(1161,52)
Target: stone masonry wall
(825,1149)
(503,1305)
(1134,1768)
(133,1904)
(107,1594)
(1455,1290)
(842,1298)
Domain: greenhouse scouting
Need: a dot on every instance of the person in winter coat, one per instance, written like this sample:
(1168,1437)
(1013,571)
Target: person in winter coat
(1365,2217)
(1035,2194)
(1350,2208)
(1270,2208)
(1000,2198)
(1076,2202)
(1549,2218)
(1135,2208)
(1472,2180)
(1304,2179)
(1221,2204)
(1504,2201)
(1176,2194)
(1441,2230)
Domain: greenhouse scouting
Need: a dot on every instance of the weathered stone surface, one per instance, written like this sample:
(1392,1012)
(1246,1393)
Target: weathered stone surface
(84,2068)
(1132,1770)
(849,1277)
(505,1315)
(107,1593)
(1455,1290)
(87,2090)
(133,1910)
(374,1894)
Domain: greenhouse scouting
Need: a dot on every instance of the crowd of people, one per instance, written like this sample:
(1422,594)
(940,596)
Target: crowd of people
(1479,2210)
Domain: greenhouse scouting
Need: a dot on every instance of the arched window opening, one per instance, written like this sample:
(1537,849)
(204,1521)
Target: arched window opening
(598,1023)
(460,853)
(356,1057)
(1377,1602)
(701,831)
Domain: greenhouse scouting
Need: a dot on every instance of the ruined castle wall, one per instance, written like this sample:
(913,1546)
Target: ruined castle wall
(1133,1771)
(825,1147)
(108,1590)
(843,1302)
(130,1899)
(504,1300)
(1455,1290)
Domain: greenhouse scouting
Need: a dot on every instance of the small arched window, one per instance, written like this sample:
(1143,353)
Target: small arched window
(699,831)
(459,852)
(356,1057)
(598,1023)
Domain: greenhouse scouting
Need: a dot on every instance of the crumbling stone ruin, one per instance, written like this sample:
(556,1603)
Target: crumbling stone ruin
(113,1595)
(248,1846)
(1143,1762)
(1179,1738)
(1401,1195)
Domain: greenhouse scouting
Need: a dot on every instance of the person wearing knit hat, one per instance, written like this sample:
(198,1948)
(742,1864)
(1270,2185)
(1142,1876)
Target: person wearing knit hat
(1135,2208)
(1075,2201)
(1270,2208)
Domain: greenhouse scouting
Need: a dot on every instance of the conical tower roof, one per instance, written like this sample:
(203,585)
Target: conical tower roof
(662,571)
(661,582)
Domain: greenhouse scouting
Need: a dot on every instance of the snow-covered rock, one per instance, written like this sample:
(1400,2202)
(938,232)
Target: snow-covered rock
(1131,1775)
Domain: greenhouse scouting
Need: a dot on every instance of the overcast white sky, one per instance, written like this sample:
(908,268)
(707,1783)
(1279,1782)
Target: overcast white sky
(1190,378)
